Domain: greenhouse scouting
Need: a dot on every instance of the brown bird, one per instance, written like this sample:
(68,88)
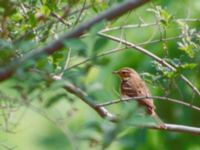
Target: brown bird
(133,86)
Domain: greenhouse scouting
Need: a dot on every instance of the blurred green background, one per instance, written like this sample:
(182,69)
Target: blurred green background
(40,115)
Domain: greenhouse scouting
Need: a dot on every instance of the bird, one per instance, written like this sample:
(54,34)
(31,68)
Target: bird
(132,85)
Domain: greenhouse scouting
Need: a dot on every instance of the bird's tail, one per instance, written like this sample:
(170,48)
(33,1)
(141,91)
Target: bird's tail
(158,121)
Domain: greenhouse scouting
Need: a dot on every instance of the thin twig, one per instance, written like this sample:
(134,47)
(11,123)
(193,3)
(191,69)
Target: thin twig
(97,56)
(118,50)
(59,18)
(81,11)
(104,113)
(111,102)
(158,59)
(143,25)
(171,127)
(189,20)
(66,62)
(71,88)
(129,26)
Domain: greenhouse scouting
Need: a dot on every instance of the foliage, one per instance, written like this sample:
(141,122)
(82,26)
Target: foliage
(52,118)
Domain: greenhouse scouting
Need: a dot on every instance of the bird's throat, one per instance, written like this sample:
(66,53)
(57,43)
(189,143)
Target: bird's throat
(125,78)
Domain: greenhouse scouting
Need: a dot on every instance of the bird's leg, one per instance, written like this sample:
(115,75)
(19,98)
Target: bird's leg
(159,122)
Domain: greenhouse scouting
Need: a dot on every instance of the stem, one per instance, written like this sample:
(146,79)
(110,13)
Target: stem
(111,102)
(172,127)
(104,113)
(158,59)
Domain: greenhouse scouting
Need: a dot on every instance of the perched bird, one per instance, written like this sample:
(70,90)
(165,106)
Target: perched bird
(133,86)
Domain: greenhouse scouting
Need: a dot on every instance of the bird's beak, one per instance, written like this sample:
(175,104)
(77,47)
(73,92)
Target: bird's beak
(115,72)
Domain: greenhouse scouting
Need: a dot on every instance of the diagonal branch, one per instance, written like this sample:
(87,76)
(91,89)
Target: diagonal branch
(111,102)
(109,52)
(71,88)
(172,127)
(104,113)
(158,59)
(56,45)
(80,13)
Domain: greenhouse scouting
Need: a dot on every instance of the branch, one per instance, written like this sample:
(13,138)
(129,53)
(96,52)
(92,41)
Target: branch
(172,127)
(56,45)
(189,19)
(158,59)
(111,102)
(71,88)
(81,11)
(104,113)
(60,19)
(130,26)
(142,25)
(109,52)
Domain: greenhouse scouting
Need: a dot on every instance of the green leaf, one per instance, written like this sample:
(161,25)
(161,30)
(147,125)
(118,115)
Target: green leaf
(188,66)
(165,71)
(163,16)
(41,63)
(97,27)
(75,44)
(110,134)
(55,99)
(187,48)
(6,52)
(148,77)
(103,61)
(99,43)
(26,45)
(45,10)
(58,57)
(169,74)
(44,1)
(7,8)
(73,2)
(94,7)
(94,125)
(32,19)
(17,17)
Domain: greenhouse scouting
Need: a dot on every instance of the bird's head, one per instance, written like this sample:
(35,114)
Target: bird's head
(125,72)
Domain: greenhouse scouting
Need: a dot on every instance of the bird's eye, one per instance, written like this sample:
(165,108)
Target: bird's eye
(124,72)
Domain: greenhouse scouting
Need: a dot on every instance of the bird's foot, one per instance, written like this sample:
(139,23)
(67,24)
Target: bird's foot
(162,126)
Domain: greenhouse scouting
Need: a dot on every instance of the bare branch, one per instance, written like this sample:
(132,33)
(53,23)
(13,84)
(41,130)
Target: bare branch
(118,50)
(97,56)
(143,25)
(158,59)
(104,113)
(172,127)
(81,11)
(71,88)
(129,26)
(189,19)
(59,18)
(56,45)
(111,102)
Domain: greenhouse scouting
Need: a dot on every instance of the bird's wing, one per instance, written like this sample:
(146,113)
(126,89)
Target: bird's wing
(127,90)
(142,90)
